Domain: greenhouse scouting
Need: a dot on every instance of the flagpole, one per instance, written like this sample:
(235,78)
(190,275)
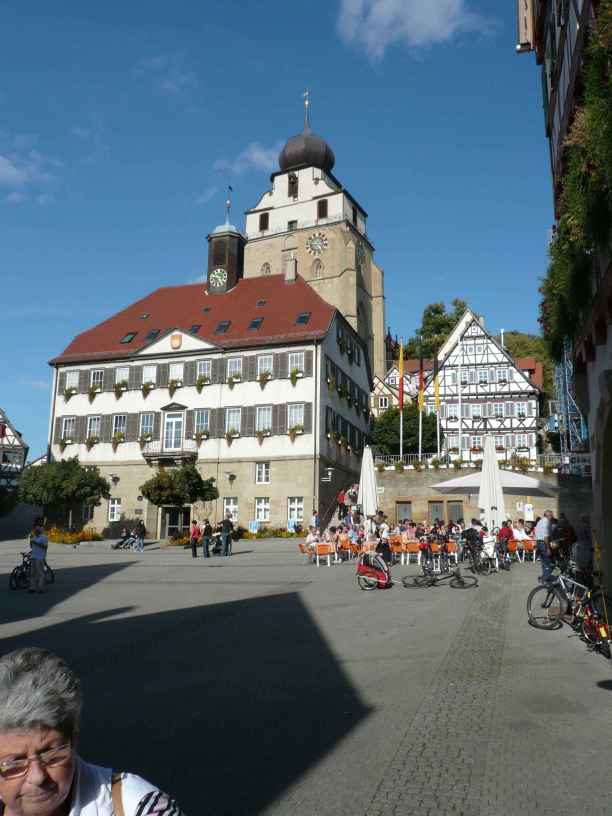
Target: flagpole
(420,435)
(401,398)
(438,430)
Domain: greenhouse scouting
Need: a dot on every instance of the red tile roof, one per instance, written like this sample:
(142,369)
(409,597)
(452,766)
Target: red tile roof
(181,307)
(411,366)
(535,369)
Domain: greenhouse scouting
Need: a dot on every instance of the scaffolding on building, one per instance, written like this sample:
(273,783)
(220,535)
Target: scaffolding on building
(573,433)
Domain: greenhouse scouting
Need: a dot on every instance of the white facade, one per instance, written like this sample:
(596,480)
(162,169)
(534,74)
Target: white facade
(483,393)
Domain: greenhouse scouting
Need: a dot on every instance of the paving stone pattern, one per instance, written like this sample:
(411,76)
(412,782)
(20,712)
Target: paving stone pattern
(438,767)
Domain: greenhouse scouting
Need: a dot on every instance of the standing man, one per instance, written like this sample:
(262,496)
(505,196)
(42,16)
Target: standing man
(39,544)
(542,537)
(340,498)
(207,532)
(140,535)
(226,534)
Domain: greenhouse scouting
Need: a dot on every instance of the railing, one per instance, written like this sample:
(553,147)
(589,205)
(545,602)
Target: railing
(188,448)
(573,463)
(317,222)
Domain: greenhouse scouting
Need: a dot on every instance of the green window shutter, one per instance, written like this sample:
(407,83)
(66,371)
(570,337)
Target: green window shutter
(163,374)
(109,379)
(83,382)
(212,422)
(57,434)
(189,424)
(219,422)
(308,363)
(81,427)
(275,420)
(61,383)
(249,420)
(216,371)
(135,377)
(282,418)
(106,426)
(251,367)
(131,428)
(157,425)
(190,372)
(308,417)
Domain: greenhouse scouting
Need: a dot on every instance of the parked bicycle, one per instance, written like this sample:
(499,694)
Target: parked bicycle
(20,576)
(431,579)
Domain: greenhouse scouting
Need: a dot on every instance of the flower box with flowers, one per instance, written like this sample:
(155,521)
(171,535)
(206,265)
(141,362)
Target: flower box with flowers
(200,382)
(69,392)
(297,374)
(295,430)
(173,385)
(452,419)
(143,439)
(500,448)
(119,388)
(476,449)
(63,443)
(263,378)
(200,436)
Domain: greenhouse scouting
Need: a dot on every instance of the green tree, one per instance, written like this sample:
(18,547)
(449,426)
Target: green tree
(436,325)
(386,431)
(175,488)
(8,499)
(59,487)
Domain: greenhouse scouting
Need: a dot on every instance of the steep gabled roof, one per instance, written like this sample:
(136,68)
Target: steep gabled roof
(172,307)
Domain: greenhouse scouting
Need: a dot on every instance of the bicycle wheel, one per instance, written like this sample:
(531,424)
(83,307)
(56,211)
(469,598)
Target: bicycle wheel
(13,579)
(23,577)
(463,582)
(49,575)
(416,581)
(545,607)
(366,583)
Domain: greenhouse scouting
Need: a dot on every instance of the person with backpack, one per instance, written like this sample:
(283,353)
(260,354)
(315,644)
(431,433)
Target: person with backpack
(227,527)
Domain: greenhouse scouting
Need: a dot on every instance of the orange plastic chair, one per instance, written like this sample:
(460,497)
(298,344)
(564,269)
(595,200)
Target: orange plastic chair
(323,551)
(412,548)
(397,549)
(452,551)
(529,547)
(512,548)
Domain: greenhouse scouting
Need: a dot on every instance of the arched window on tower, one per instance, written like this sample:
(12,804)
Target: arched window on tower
(292,185)
(317,269)
(265,269)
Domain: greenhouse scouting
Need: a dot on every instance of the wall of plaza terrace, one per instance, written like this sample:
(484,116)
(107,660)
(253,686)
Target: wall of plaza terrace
(575,495)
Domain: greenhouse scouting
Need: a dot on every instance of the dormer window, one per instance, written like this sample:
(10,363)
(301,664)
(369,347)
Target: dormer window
(152,334)
(195,328)
(292,185)
(127,338)
(303,318)
(322,208)
(222,327)
(264,221)
(255,324)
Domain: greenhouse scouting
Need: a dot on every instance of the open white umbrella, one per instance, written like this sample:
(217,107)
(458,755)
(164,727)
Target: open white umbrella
(513,484)
(490,494)
(368,493)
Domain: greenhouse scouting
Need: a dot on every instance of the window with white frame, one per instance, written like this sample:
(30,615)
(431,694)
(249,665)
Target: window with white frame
(392,380)
(532,440)
(383,402)
(509,440)
(492,375)
(149,374)
(476,411)
(68,427)
(262,509)
(477,441)
(203,369)
(296,361)
(452,377)
(72,379)
(262,473)
(452,410)
(465,442)
(466,410)
(114,509)
(453,441)
(263,418)
(96,379)
(510,409)
(521,440)
(502,375)
(146,424)
(265,364)
(176,371)
(498,410)
(295,414)
(232,420)
(119,424)
(499,441)
(521,410)
(464,376)
(122,374)
(532,408)
(482,376)
(93,426)
(234,367)
(201,420)
(479,348)
(472,376)
(230,505)
(295,508)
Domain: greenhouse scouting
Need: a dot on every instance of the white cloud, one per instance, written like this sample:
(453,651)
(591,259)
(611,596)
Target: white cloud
(23,169)
(254,157)
(168,73)
(377,24)
(206,196)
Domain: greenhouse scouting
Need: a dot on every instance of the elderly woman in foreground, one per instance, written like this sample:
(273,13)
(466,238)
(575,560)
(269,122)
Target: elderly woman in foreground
(40,772)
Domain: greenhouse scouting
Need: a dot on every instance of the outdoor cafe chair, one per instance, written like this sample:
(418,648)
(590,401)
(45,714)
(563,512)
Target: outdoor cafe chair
(452,550)
(411,548)
(528,549)
(513,551)
(323,551)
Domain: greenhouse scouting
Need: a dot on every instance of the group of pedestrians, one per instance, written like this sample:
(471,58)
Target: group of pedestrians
(201,533)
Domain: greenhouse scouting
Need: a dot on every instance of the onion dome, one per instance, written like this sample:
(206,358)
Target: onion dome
(306,150)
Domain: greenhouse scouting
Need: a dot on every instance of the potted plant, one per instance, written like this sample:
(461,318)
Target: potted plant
(458,463)
(233,379)
(201,382)
(146,388)
(261,435)
(93,390)
(119,388)
(477,463)
(173,385)
(231,435)
(331,384)
(69,392)
(295,375)
(500,448)
(399,467)
(200,436)
(435,463)
(295,430)
(117,439)
(63,444)
(334,436)
(476,449)
(264,377)
(143,439)
(453,450)
(380,467)
(417,465)
(91,441)
(343,442)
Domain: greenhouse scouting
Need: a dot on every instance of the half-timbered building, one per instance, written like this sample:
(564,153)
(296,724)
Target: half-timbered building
(13,452)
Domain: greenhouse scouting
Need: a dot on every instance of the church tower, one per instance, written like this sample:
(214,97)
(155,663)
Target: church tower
(225,256)
(308,217)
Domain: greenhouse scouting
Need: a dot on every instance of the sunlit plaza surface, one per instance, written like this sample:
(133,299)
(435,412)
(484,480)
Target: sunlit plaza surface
(258,684)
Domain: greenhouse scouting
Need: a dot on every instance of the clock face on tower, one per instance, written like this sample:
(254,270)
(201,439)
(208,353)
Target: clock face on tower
(316,243)
(217,278)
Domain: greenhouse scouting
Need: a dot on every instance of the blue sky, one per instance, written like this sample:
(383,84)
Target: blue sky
(121,125)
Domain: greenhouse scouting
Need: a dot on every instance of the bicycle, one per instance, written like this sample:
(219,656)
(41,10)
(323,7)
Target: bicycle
(431,579)
(20,576)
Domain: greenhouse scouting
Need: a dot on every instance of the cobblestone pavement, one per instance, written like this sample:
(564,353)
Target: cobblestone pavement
(260,685)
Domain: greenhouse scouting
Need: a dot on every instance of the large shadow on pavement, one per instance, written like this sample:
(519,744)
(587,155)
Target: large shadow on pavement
(224,706)
(16,605)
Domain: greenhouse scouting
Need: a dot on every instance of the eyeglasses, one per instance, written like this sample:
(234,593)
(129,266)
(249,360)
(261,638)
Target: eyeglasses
(50,758)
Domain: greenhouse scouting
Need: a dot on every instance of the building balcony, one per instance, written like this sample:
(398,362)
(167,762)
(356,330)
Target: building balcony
(157,451)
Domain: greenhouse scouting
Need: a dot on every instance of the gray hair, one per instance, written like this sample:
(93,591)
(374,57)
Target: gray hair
(37,689)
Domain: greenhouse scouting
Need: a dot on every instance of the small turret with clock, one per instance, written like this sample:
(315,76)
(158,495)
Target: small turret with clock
(225,256)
